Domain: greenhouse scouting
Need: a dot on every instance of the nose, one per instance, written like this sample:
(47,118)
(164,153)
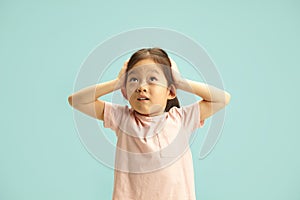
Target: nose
(142,88)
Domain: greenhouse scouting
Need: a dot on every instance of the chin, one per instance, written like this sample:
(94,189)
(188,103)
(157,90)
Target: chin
(153,111)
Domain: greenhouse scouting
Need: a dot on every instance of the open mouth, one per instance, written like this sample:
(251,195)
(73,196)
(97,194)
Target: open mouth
(142,98)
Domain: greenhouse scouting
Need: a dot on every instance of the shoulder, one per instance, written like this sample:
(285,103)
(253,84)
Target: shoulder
(116,111)
(108,106)
(188,115)
(115,115)
(185,110)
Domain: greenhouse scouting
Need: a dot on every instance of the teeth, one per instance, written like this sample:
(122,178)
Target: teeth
(142,98)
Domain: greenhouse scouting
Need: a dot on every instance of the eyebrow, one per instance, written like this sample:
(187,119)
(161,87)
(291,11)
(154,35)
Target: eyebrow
(133,72)
(155,71)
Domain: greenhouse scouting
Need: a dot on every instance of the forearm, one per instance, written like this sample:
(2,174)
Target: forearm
(92,93)
(206,92)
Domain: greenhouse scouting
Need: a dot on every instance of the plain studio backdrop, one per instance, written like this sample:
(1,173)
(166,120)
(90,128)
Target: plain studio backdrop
(254,45)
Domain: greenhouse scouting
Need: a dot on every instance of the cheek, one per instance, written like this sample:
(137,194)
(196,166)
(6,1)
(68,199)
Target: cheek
(162,83)
(160,89)
(130,88)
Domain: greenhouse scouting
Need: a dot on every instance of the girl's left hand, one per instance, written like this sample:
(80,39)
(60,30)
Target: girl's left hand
(175,73)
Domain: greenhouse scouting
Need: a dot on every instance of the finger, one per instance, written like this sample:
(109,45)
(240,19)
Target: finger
(125,64)
(174,66)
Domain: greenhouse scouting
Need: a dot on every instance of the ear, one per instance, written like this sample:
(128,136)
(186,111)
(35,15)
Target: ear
(172,92)
(124,93)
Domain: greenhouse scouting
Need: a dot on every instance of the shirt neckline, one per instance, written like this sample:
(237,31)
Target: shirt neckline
(149,118)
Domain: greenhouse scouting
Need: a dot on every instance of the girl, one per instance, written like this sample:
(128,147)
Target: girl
(153,158)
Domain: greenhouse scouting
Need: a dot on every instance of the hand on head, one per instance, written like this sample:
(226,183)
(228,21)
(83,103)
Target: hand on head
(175,73)
(122,75)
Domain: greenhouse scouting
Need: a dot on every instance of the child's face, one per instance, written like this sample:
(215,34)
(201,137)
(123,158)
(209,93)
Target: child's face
(147,88)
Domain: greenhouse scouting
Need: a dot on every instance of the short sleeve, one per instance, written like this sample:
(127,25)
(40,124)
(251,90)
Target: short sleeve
(113,114)
(190,116)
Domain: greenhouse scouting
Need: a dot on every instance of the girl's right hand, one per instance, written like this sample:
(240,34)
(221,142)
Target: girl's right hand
(121,75)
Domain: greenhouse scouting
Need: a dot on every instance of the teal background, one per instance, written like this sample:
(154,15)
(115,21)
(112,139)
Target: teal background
(254,44)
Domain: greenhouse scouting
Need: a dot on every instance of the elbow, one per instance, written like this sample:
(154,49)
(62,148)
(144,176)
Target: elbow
(227,98)
(70,100)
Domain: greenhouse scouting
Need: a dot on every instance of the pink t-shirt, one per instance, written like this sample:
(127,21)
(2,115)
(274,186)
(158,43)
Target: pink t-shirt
(153,158)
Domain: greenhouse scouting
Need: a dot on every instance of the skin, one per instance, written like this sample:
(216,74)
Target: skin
(86,100)
(147,88)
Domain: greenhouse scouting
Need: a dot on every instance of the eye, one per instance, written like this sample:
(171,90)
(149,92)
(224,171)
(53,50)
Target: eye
(133,79)
(153,78)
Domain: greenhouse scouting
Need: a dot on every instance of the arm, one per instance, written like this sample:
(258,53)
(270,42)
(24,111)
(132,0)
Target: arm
(213,99)
(86,100)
